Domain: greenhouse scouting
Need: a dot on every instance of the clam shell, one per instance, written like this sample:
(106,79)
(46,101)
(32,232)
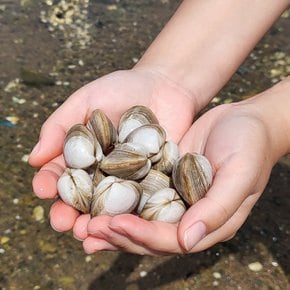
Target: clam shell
(169,157)
(75,188)
(81,149)
(192,176)
(115,196)
(103,129)
(164,205)
(127,160)
(152,137)
(133,118)
(153,182)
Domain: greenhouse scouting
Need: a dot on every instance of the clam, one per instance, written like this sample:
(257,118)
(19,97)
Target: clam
(133,118)
(153,182)
(115,196)
(75,188)
(81,149)
(192,176)
(164,205)
(103,129)
(128,161)
(169,156)
(152,137)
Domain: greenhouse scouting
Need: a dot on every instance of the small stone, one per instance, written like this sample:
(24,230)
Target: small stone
(46,247)
(217,275)
(143,274)
(215,283)
(36,287)
(2,251)
(112,7)
(81,63)
(24,158)
(38,213)
(18,100)
(88,259)
(66,281)
(255,266)
(12,85)
(15,200)
(4,240)
(12,119)
(135,59)
(18,217)
(275,264)
(23,232)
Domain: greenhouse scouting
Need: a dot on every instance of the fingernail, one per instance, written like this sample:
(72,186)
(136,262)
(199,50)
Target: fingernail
(36,149)
(194,234)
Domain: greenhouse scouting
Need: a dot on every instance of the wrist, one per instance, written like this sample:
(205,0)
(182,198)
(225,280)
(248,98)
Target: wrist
(200,47)
(272,109)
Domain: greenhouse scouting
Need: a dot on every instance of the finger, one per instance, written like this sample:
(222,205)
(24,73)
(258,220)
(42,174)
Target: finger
(99,227)
(229,189)
(44,182)
(53,131)
(80,228)
(142,232)
(228,230)
(62,216)
(93,244)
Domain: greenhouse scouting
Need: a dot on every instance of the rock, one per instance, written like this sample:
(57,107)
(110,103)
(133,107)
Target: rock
(255,266)
(38,213)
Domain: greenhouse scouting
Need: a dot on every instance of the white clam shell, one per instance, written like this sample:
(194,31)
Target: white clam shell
(164,205)
(75,188)
(115,196)
(154,181)
(133,118)
(152,137)
(81,149)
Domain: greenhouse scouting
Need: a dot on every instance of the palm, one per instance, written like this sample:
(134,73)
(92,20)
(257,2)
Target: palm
(236,144)
(113,94)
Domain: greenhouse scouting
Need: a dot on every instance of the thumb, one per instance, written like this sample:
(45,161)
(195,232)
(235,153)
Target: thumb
(229,189)
(54,129)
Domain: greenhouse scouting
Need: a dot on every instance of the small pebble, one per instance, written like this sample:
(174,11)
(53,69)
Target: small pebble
(12,119)
(24,158)
(143,274)
(18,100)
(112,7)
(88,259)
(217,275)
(215,283)
(81,63)
(4,240)
(2,251)
(255,266)
(15,200)
(275,264)
(38,213)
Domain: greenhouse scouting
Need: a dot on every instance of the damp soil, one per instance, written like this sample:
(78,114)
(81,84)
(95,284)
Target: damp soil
(48,50)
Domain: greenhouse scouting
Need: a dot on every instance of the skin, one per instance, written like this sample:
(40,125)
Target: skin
(242,140)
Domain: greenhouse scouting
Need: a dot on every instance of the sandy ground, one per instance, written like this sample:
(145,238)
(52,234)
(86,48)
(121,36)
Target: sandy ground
(48,50)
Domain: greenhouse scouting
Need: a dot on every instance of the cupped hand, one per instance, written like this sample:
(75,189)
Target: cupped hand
(114,94)
(237,142)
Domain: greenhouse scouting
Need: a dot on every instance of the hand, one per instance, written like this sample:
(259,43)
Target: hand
(113,94)
(237,141)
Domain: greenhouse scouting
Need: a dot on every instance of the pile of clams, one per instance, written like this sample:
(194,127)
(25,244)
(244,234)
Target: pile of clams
(130,169)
